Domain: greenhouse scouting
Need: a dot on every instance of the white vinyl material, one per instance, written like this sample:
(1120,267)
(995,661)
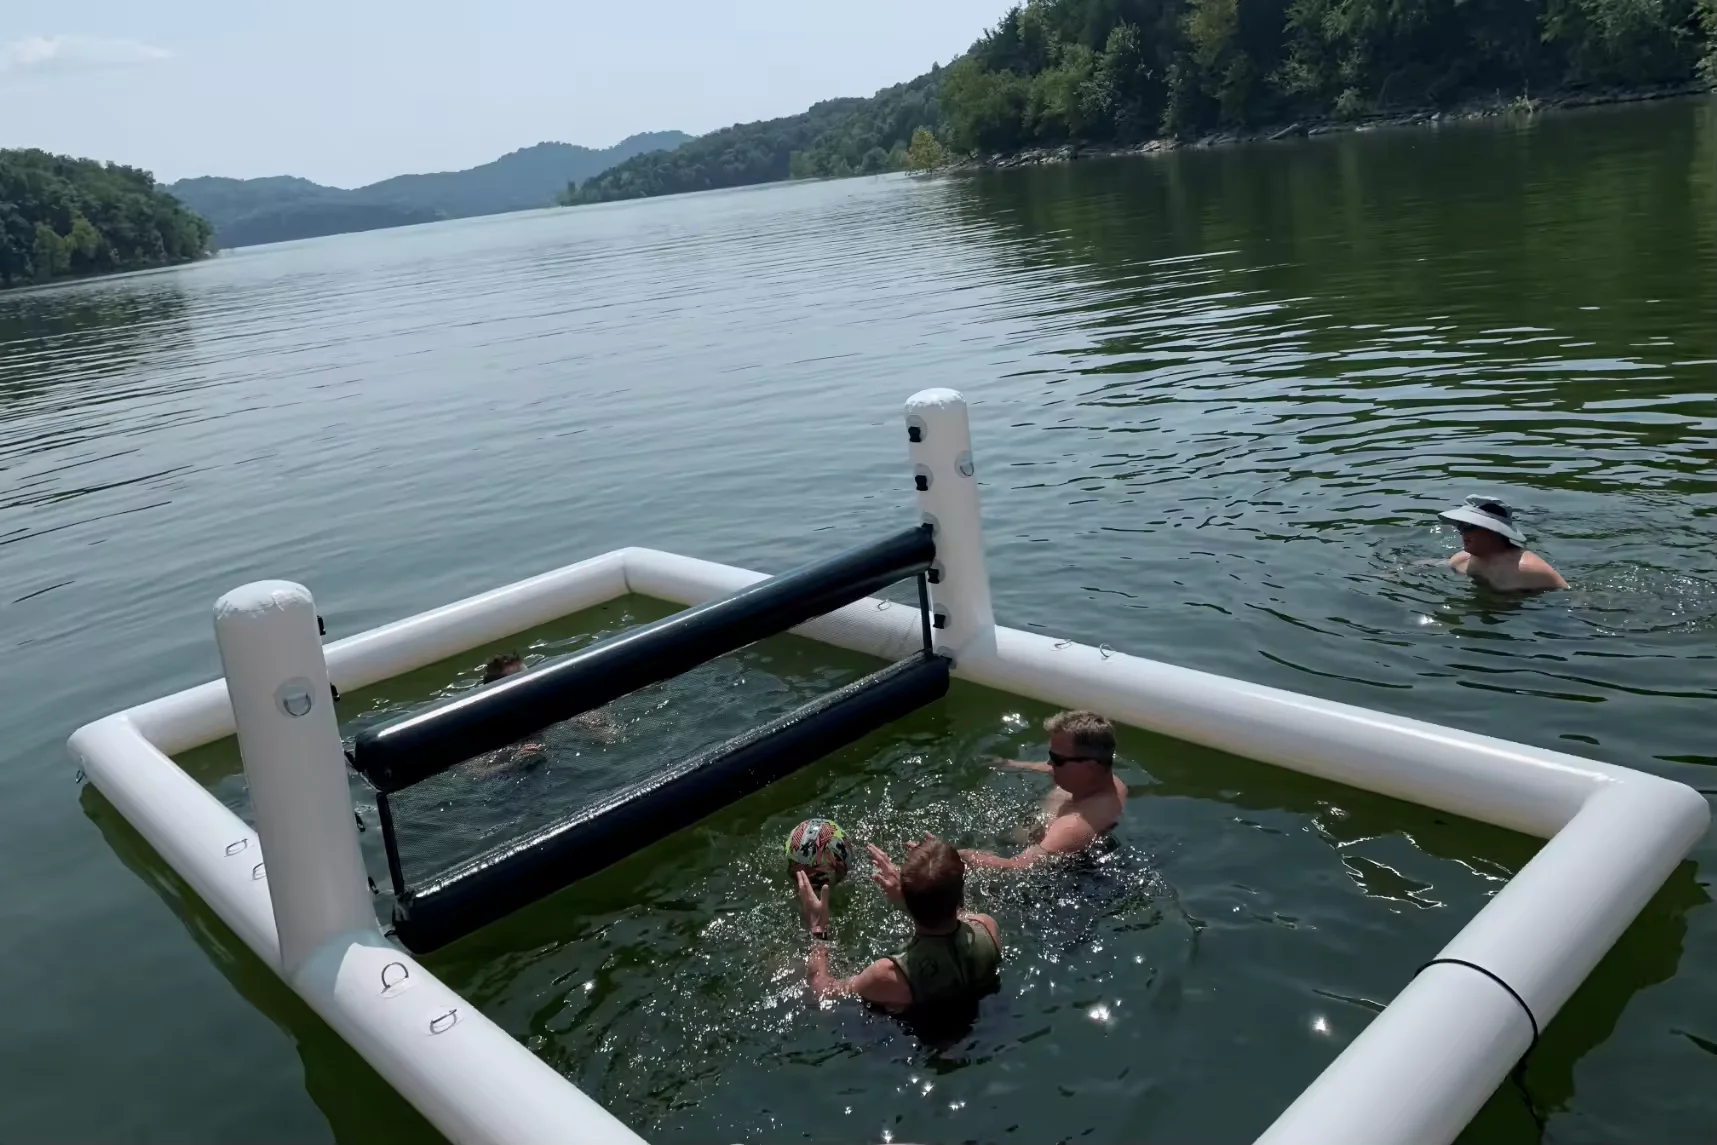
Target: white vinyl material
(943,465)
(271,653)
(1414,1077)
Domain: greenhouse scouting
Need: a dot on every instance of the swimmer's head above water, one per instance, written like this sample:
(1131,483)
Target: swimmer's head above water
(933,883)
(1493,548)
(1486,526)
(1081,750)
(502,666)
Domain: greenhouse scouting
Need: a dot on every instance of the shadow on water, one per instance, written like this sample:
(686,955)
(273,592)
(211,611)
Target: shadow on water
(358,1104)
(81,340)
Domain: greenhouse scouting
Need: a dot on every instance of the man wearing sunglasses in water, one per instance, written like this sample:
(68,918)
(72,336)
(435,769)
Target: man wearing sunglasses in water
(1087,800)
(1493,548)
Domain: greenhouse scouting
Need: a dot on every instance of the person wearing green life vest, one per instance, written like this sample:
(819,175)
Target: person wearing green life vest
(954,956)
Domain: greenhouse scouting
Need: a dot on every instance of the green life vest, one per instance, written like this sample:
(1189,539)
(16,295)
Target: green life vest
(957,967)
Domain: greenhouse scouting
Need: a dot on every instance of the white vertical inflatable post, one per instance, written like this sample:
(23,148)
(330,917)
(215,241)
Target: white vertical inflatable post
(283,709)
(946,477)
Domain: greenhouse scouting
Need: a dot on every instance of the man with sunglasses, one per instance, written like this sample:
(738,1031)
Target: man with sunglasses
(1493,548)
(1087,800)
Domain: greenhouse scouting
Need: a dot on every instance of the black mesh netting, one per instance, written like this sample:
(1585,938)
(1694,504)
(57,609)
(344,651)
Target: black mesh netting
(492,800)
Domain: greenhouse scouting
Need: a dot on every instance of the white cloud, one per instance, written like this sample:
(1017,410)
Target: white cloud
(49,55)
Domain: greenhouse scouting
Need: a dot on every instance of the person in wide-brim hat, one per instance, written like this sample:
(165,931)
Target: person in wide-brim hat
(1493,548)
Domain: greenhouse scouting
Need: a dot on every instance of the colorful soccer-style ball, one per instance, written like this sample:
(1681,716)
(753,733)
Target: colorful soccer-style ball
(819,848)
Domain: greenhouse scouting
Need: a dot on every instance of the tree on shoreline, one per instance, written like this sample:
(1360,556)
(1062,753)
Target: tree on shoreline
(1101,71)
(61,217)
(925,153)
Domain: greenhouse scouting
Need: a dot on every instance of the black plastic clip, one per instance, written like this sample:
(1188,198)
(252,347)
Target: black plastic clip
(359,816)
(334,690)
(321,625)
(914,433)
(922,482)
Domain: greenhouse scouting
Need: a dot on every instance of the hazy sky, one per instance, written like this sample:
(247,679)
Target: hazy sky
(353,91)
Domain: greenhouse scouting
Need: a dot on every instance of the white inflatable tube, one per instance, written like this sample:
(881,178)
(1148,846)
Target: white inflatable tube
(465,1074)
(1423,1067)
(212,849)
(271,654)
(294,891)
(200,715)
(945,474)
(1414,1077)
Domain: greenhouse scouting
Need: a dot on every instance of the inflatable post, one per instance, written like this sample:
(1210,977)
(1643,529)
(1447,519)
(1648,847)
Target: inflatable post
(283,710)
(941,444)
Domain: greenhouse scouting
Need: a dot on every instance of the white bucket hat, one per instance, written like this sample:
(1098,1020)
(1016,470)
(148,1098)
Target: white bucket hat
(1487,513)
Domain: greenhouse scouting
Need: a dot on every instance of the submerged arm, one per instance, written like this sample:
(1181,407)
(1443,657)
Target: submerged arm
(1067,834)
(1538,573)
(1022,765)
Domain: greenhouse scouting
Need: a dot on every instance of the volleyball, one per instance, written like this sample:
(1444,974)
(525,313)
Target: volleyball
(819,848)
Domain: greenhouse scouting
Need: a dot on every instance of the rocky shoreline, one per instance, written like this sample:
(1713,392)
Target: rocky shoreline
(1418,117)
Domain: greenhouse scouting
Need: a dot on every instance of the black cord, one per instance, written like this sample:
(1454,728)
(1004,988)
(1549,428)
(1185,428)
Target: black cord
(1518,1073)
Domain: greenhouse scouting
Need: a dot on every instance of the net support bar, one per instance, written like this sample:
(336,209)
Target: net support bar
(426,743)
(495,884)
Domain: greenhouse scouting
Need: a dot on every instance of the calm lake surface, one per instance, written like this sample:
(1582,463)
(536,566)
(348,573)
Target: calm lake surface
(1217,400)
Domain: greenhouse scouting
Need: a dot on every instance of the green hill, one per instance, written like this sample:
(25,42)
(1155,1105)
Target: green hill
(1118,72)
(849,136)
(63,217)
(274,209)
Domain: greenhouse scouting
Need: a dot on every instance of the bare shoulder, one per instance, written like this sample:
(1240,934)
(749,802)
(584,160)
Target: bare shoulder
(1540,572)
(882,984)
(988,924)
(1120,790)
(1459,561)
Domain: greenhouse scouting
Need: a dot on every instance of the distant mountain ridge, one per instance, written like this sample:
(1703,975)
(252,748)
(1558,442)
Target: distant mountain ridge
(281,207)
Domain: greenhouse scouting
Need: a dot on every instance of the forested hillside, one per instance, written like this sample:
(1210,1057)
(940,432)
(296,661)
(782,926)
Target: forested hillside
(1054,71)
(61,216)
(274,209)
(836,137)
(1120,71)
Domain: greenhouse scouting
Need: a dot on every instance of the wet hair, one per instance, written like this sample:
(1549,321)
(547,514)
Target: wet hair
(933,882)
(1093,736)
(503,665)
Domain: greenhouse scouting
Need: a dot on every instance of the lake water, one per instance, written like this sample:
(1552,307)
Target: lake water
(1217,399)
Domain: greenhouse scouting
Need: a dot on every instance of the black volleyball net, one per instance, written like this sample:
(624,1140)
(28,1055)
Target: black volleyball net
(504,794)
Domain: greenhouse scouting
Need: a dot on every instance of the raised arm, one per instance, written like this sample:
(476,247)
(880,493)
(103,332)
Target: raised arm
(881,983)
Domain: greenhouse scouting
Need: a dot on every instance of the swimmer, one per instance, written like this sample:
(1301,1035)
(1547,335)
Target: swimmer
(510,664)
(1493,549)
(531,751)
(953,957)
(1087,800)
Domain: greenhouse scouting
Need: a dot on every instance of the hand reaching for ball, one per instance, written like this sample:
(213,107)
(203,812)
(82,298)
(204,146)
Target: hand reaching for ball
(813,904)
(886,875)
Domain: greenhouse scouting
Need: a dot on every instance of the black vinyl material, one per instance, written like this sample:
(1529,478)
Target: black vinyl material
(527,869)
(409,750)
